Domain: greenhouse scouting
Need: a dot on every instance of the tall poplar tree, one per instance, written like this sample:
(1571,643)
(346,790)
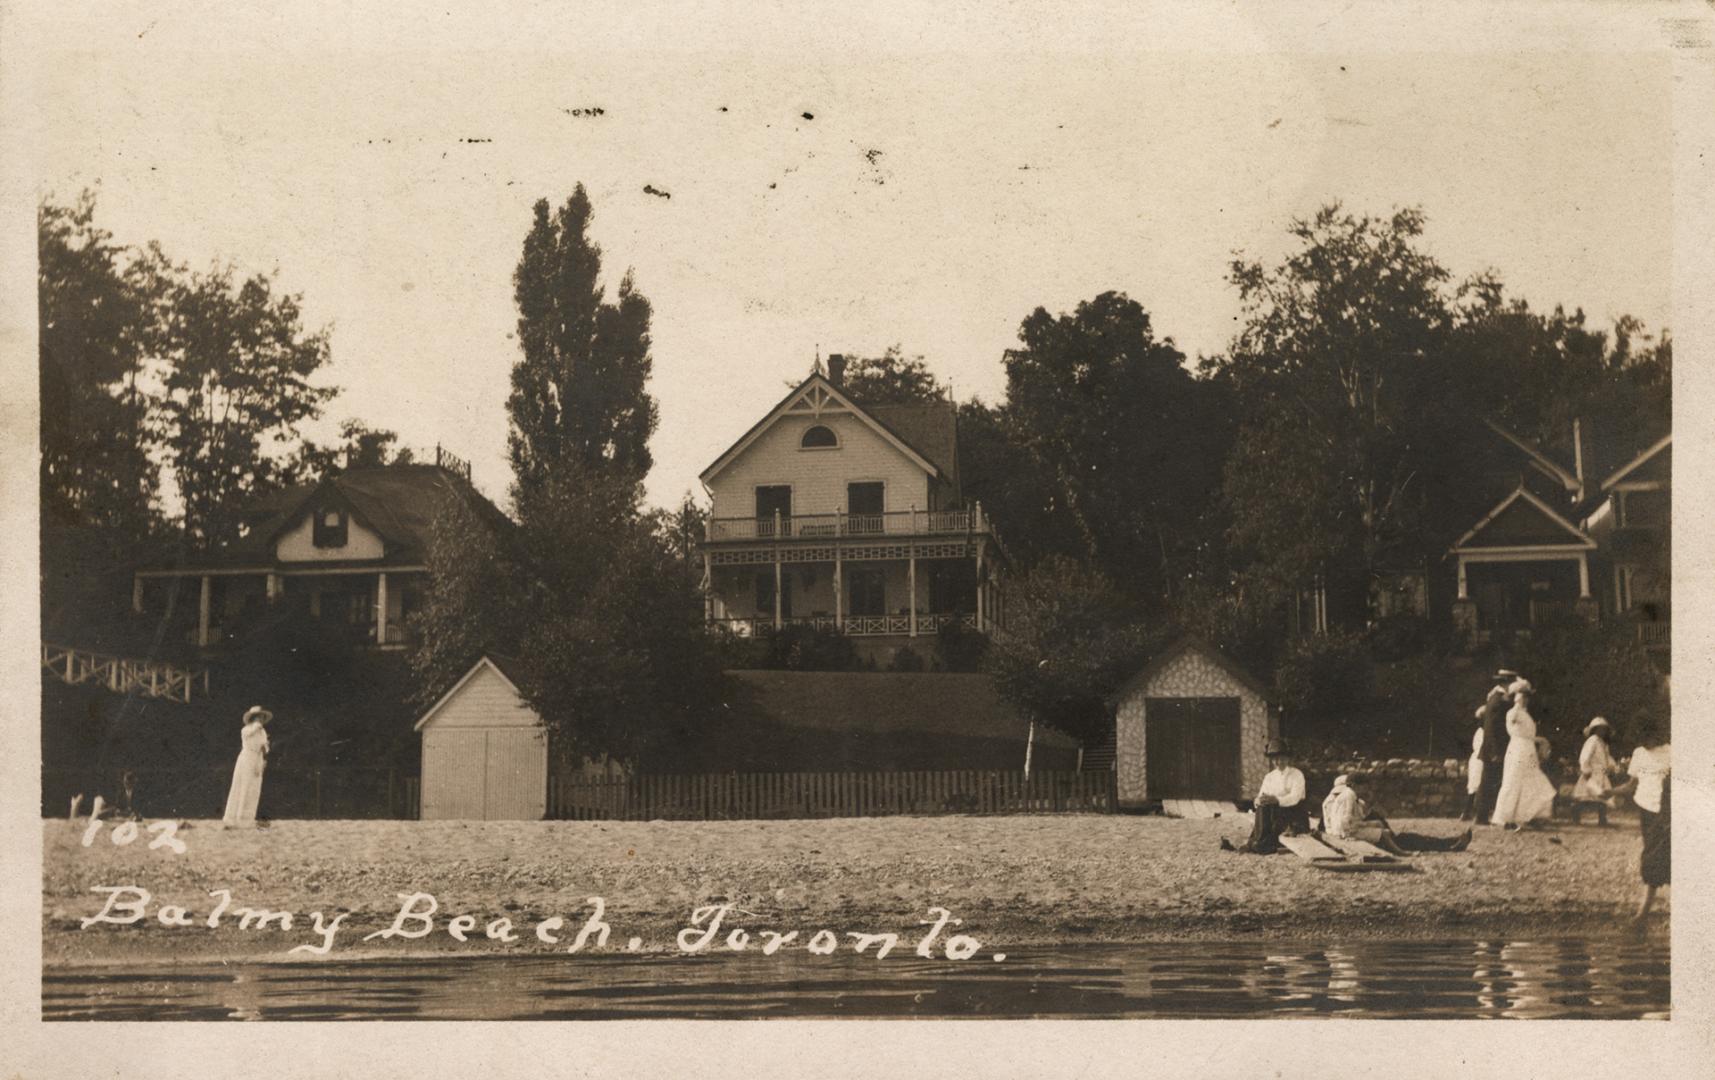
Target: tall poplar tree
(578,393)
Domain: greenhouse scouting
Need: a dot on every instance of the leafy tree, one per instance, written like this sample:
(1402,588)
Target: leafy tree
(892,379)
(1344,404)
(237,383)
(360,447)
(1582,670)
(476,596)
(1018,491)
(1070,640)
(681,531)
(578,393)
(1130,440)
(96,311)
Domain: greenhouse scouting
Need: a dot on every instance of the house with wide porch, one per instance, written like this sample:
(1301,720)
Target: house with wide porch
(1583,537)
(350,550)
(846,516)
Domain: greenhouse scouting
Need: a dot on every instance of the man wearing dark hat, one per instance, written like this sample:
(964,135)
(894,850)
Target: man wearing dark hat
(1279,806)
(1493,751)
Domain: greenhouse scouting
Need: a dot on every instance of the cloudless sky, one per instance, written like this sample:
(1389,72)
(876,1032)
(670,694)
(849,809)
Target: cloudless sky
(957,168)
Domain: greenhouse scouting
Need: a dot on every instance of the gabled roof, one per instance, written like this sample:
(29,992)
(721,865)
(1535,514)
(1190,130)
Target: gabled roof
(1576,537)
(1553,469)
(1638,462)
(930,427)
(819,387)
(488,661)
(400,503)
(1183,645)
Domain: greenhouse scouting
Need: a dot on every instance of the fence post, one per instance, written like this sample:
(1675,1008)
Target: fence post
(318,785)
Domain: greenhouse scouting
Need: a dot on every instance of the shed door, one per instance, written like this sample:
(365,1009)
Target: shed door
(517,775)
(1191,748)
(453,780)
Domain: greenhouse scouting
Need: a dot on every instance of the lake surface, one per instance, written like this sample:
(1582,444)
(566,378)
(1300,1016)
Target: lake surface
(1432,980)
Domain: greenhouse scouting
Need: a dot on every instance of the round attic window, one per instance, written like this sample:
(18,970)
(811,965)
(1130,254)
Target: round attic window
(820,437)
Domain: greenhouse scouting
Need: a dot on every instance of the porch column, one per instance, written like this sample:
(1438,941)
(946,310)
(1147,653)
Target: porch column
(778,623)
(136,594)
(381,608)
(1464,592)
(203,602)
(708,588)
(911,588)
(1583,576)
(981,588)
(273,586)
(839,591)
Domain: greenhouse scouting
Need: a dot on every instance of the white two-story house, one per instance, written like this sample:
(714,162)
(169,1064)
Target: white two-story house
(849,517)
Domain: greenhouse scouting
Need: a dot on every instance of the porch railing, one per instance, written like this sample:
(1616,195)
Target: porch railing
(854,625)
(123,675)
(825,526)
(1655,635)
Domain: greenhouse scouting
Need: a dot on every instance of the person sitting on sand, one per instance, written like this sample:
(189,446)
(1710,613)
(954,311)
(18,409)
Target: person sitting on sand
(1279,806)
(1345,816)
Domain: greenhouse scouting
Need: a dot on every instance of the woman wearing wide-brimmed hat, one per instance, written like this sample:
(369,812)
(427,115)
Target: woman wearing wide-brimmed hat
(1526,793)
(1595,768)
(247,773)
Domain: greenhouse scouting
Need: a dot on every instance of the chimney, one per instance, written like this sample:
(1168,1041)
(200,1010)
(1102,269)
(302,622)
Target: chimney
(837,368)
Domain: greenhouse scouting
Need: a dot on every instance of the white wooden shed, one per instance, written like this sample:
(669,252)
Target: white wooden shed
(485,751)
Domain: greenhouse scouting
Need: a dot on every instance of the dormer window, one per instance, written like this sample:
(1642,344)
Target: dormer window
(330,529)
(819,437)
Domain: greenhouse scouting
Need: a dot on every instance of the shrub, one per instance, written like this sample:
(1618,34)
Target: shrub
(960,649)
(906,659)
(1325,674)
(1398,637)
(1582,669)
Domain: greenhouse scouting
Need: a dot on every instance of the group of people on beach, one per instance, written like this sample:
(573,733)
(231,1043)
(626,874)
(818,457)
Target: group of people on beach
(1506,786)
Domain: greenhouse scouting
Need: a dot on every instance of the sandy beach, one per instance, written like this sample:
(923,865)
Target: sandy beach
(1012,880)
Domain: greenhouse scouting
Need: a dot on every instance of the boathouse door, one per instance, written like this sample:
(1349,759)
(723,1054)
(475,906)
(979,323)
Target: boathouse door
(1191,748)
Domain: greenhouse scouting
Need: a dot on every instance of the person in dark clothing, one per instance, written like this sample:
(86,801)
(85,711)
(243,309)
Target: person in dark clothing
(1279,807)
(1494,749)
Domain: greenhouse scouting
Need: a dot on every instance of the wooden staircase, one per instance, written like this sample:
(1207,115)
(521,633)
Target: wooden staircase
(122,675)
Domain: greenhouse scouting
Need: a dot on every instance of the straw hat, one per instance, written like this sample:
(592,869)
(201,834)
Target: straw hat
(1599,722)
(257,712)
(1506,675)
(1343,780)
(1520,686)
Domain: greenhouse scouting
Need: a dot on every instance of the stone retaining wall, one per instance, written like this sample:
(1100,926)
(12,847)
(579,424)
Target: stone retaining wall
(1399,787)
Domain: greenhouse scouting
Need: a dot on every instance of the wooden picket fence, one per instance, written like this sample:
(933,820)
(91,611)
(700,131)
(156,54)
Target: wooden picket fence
(833,794)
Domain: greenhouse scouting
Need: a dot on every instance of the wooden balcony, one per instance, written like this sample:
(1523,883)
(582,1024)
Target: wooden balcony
(860,526)
(855,625)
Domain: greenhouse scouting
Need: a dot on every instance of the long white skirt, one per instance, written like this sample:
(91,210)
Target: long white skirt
(246,789)
(1526,792)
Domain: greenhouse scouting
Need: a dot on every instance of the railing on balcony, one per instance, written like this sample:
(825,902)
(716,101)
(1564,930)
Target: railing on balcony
(855,625)
(123,675)
(1655,635)
(824,526)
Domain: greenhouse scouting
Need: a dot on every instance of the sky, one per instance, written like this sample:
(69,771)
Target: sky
(830,181)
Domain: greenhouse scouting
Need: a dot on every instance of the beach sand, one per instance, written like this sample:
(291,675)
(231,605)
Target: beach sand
(1012,880)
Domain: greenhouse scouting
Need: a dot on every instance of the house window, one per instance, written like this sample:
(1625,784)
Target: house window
(330,529)
(773,501)
(820,437)
(868,591)
(765,595)
(864,504)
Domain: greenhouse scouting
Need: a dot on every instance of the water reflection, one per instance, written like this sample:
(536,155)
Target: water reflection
(1432,980)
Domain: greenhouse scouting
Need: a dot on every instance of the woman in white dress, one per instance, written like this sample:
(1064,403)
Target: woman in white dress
(1526,792)
(247,773)
(1595,768)
(1474,772)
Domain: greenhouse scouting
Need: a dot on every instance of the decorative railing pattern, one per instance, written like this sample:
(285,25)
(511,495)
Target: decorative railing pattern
(855,625)
(824,526)
(122,675)
(835,794)
(1655,635)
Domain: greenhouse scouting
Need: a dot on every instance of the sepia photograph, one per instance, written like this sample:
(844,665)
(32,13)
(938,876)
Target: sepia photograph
(702,512)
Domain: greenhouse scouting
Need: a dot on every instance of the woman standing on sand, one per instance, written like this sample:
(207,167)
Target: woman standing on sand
(1526,793)
(247,773)
(1650,785)
(1595,764)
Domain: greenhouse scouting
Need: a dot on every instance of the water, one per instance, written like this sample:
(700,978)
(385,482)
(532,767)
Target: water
(1439,980)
